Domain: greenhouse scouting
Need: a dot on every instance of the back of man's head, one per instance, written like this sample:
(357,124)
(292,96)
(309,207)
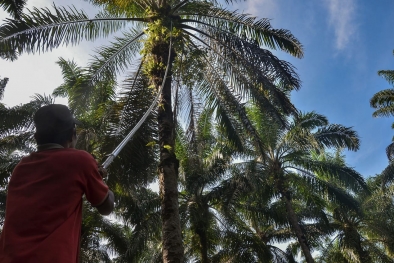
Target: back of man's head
(54,124)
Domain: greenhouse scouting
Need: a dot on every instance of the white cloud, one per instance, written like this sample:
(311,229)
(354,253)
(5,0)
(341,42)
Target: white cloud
(38,73)
(342,19)
(259,8)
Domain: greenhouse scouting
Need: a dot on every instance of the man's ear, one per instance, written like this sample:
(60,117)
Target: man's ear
(73,140)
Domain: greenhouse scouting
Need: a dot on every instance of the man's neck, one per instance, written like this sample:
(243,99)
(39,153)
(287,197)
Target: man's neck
(48,146)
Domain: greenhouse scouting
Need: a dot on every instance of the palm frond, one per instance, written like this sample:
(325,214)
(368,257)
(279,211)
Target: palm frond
(41,30)
(387,175)
(310,120)
(350,177)
(338,136)
(117,57)
(13,7)
(136,164)
(390,151)
(383,102)
(122,7)
(243,25)
(388,75)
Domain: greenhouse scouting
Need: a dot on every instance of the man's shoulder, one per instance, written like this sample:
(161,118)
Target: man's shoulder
(68,153)
(77,154)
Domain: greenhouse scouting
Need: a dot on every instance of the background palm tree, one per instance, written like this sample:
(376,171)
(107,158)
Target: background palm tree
(227,45)
(205,157)
(383,102)
(378,209)
(360,235)
(287,170)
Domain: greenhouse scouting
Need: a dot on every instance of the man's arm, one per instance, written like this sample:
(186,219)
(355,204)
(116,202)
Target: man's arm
(108,205)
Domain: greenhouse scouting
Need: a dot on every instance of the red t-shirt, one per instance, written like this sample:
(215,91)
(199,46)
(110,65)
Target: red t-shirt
(44,206)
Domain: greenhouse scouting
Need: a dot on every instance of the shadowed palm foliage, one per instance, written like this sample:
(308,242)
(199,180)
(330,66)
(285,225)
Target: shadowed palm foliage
(3,83)
(379,211)
(217,225)
(253,227)
(364,234)
(139,210)
(13,7)
(227,47)
(106,119)
(204,160)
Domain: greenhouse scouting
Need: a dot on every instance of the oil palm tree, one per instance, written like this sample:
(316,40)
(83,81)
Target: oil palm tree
(204,160)
(360,235)
(217,224)
(288,171)
(382,101)
(227,47)
(256,230)
(378,209)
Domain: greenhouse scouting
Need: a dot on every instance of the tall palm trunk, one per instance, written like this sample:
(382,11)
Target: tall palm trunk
(364,255)
(168,167)
(201,231)
(353,241)
(204,246)
(296,227)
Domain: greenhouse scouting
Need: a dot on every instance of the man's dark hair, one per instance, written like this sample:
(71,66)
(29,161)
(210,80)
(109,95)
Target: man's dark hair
(54,124)
(52,137)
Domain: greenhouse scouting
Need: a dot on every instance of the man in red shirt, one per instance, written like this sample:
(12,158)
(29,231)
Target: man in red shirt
(44,198)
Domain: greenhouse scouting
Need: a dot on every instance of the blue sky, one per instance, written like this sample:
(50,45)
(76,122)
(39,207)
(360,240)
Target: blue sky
(345,42)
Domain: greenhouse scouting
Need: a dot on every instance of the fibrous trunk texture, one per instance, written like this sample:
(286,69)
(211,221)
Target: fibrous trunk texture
(297,228)
(168,167)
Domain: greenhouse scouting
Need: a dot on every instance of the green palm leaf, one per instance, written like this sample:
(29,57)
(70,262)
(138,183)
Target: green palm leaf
(259,31)
(388,75)
(39,30)
(116,58)
(13,7)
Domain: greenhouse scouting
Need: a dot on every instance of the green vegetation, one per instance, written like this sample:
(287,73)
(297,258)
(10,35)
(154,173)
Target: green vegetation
(243,175)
